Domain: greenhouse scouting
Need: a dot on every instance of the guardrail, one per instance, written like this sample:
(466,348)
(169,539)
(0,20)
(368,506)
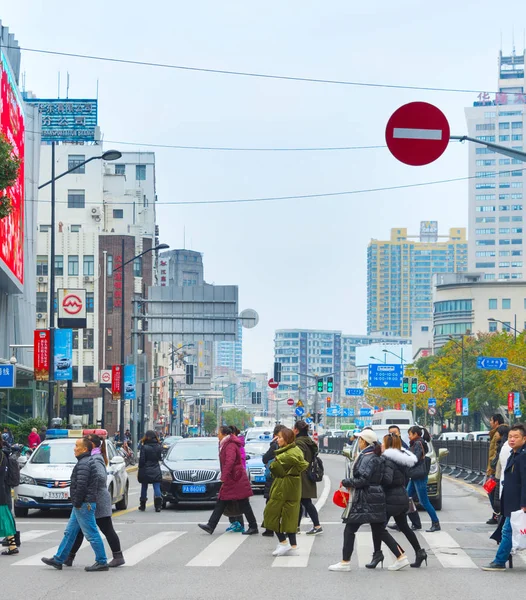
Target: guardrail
(467,460)
(332,445)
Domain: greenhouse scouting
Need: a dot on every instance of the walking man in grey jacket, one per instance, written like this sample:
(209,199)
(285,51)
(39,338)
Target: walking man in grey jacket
(84,484)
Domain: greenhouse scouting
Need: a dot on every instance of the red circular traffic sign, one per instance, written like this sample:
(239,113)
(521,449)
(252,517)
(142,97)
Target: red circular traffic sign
(422,387)
(106,377)
(417,133)
(72,304)
(290,401)
(273,384)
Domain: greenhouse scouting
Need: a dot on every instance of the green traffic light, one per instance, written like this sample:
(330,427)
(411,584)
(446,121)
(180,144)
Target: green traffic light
(320,385)
(405,385)
(330,386)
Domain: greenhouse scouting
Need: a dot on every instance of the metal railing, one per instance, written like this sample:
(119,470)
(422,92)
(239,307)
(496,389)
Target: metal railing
(467,460)
(332,445)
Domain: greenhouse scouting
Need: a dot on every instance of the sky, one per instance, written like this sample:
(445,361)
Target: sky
(300,263)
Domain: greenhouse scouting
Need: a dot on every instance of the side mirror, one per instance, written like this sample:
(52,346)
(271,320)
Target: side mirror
(442,453)
(117,460)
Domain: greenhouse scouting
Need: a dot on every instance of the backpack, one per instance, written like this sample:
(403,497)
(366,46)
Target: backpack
(316,471)
(12,472)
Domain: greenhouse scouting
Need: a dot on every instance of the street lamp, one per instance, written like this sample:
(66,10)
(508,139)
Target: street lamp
(108,155)
(401,356)
(507,325)
(378,359)
(134,421)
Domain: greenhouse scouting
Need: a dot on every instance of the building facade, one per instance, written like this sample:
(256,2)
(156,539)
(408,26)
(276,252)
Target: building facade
(229,355)
(469,303)
(496,185)
(400,272)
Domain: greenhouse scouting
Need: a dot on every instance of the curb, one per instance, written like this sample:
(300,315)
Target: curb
(132,469)
(475,488)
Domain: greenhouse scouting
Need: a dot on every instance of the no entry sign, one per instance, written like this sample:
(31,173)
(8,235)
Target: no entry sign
(417,133)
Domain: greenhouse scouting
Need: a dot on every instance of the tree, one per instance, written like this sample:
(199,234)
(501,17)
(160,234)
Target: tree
(9,168)
(239,418)
(210,422)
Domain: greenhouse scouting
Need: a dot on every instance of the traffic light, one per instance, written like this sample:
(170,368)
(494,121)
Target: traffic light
(328,401)
(320,385)
(405,385)
(189,374)
(414,385)
(277,372)
(330,385)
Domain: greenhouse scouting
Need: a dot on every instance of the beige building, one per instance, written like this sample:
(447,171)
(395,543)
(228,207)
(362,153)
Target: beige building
(465,303)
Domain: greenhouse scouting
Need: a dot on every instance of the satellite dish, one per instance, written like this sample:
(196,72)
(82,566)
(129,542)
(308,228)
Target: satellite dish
(249,318)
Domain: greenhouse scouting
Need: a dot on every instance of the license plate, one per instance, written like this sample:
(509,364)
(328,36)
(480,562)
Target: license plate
(194,489)
(56,495)
(259,479)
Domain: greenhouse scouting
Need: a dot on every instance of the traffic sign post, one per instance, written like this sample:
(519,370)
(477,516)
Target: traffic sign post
(385,376)
(490,363)
(300,411)
(7,376)
(417,133)
(432,406)
(422,387)
(290,401)
(273,384)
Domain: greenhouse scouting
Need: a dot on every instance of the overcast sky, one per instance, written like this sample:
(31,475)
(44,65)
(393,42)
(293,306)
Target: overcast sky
(299,263)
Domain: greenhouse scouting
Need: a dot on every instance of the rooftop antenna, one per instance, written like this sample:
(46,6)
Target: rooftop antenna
(513,41)
(97,96)
(67,85)
(58,95)
(184,237)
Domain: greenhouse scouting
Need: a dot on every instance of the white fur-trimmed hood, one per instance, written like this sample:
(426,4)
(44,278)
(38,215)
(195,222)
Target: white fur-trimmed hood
(401,457)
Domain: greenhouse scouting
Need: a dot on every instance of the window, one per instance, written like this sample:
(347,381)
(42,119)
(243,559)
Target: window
(140,172)
(504,265)
(487,208)
(74,160)
(90,302)
(485,219)
(485,174)
(506,325)
(486,186)
(118,213)
(484,242)
(484,151)
(45,228)
(504,253)
(41,302)
(87,374)
(75,228)
(486,231)
(486,162)
(120,169)
(504,220)
(485,265)
(517,137)
(503,230)
(492,326)
(137,267)
(42,265)
(486,138)
(504,138)
(109,302)
(492,302)
(516,125)
(506,303)
(73,265)
(504,125)
(76,198)
(485,253)
(516,264)
(109,339)
(109,265)
(486,126)
(89,265)
(485,197)
(88,340)
(59,265)
(453,306)
(75,376)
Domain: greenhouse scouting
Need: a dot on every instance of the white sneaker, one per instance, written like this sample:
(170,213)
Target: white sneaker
(400,563)
(341,566)
(282,549)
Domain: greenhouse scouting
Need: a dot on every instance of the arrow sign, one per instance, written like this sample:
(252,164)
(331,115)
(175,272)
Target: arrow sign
(490,363)
(300,411)
(354,391)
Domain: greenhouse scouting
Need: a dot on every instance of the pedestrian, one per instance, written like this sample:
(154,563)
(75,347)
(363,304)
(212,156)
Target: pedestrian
(33,439)
(495,422)
(308,487)
(235,484)
(43,433)
(86,479)
(7,522)
(395,430)
(398,461)
(7,436)
(104,507)
(150,470)
(366,501)
(513,494)
(267,458)
(237,522)
(418,439)
(282,510)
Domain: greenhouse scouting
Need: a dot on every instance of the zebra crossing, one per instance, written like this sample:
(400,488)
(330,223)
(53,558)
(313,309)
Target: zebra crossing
(443,550)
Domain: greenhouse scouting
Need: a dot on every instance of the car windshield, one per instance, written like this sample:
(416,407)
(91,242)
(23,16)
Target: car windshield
(171,440)
(194,451)
(258,448)
(54,454)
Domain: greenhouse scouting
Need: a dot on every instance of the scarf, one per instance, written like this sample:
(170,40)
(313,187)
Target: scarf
(223,441)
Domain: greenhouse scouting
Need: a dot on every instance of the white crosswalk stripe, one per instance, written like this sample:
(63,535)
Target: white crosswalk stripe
(147,547)
(36,559)
(216,553)
(29,536)
(448,551)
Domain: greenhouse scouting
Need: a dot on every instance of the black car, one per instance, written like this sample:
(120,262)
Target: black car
(191,471)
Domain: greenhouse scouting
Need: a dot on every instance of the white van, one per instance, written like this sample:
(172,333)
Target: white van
(393,417)
(453,435)
(259,433)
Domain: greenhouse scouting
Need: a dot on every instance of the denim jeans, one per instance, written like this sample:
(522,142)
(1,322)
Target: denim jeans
(156,490)
(82,518)
(420,485)
(503,553)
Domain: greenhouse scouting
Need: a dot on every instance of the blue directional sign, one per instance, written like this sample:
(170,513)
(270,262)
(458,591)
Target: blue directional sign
(308,420)
(359,423)
(300,411)
(354,391)
(7,376)
(386,376)
(348,412)
(333,411)
(492,364)
(366,412)
(431,403)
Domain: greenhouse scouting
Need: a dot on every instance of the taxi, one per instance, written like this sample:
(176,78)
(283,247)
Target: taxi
(45,478)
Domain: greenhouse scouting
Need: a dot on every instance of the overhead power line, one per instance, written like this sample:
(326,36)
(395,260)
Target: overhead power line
(248,73)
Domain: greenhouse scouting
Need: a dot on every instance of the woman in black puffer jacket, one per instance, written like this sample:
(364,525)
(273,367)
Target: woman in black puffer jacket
(397,464)
(150,470)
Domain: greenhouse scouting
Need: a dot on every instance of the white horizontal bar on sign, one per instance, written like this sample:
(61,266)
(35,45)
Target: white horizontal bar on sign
(417,134)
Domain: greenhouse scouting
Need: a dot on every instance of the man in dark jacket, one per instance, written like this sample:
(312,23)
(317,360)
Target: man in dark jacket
(308,487)
(85,481)
(495,422)
(513,494)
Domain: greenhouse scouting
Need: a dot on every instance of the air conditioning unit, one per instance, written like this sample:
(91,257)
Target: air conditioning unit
(96,211)
(40,316)
(88,279)
(96,219)
(42,280)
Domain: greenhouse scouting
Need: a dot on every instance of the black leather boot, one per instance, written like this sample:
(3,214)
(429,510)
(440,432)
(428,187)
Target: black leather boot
(421,556)
(434,527)
(142,504)
(118,560)
(69,560)
(378,557)
(158,503)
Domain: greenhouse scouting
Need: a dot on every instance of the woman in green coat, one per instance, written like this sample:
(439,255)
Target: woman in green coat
(283,507)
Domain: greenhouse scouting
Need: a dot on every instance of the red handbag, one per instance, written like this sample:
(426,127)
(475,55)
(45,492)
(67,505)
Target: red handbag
(490,485)
(341,498)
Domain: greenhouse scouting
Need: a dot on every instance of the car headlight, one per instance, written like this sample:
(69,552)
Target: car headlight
(434,468)
(27,480)
(166,474)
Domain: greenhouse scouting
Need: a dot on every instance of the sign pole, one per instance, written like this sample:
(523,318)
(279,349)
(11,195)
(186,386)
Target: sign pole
(123,337)
(51,323)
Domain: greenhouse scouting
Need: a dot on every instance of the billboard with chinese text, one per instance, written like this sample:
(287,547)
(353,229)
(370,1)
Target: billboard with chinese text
(67,120)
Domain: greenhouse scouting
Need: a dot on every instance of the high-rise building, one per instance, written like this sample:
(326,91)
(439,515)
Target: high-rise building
(496,185)
(229,355)
(400,272)
(182,268)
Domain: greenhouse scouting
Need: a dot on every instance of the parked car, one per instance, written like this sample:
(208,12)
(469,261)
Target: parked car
(434,483)
(45,478)
(255,433)
(453,435)
(255,467)
(478,436)
(191,471)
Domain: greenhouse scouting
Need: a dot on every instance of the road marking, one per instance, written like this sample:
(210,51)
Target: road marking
(300,561)
(325,494)
(364,548)
(34,560)
(147,547)
(448,551)
(216,553)
(33,534)
(417,134)
(119,513)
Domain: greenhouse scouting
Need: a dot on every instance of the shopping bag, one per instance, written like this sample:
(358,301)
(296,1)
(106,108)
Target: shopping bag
(490,485)
(412,506)
(341,497)
(518,530)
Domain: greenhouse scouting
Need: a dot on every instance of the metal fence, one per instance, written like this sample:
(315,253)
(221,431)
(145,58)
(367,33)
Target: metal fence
(332,445)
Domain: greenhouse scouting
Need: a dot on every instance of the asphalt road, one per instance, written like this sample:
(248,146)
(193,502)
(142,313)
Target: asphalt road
(168,557)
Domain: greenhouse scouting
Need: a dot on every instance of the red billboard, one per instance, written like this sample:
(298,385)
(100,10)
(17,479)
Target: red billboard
(12,128)
(116,374)
(41,354)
